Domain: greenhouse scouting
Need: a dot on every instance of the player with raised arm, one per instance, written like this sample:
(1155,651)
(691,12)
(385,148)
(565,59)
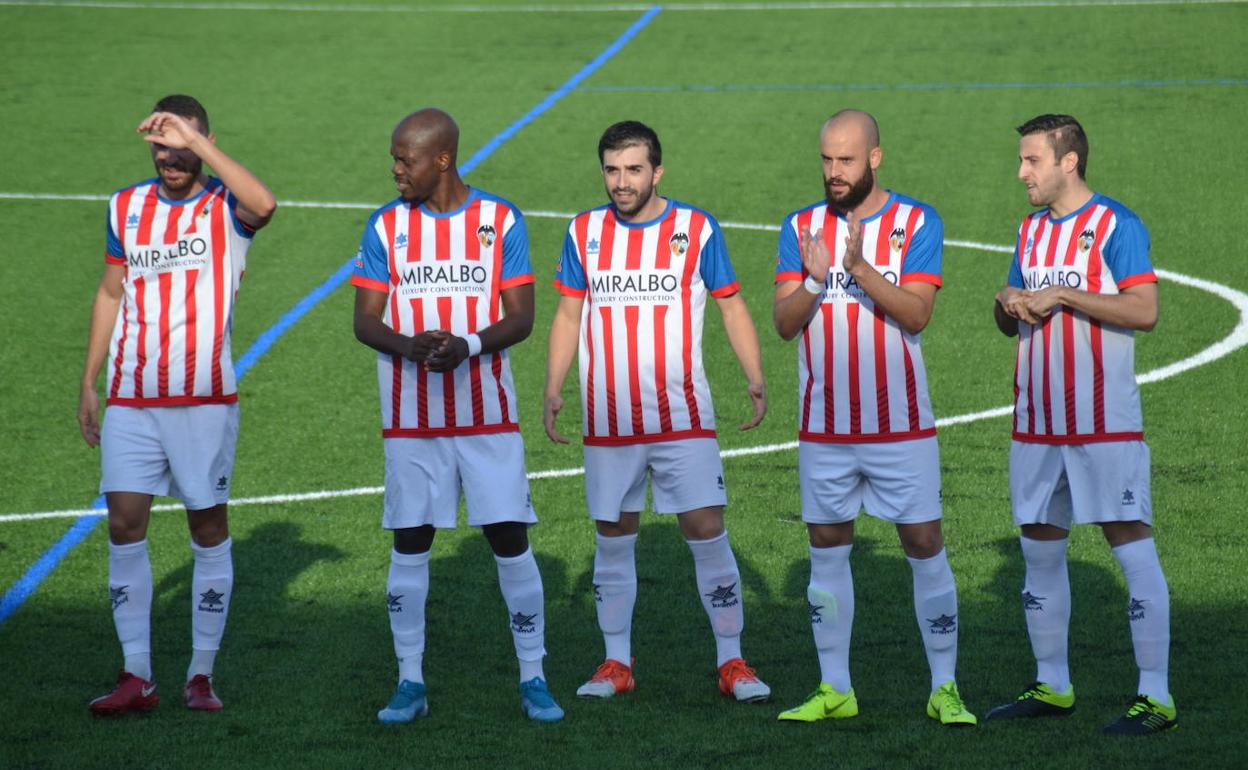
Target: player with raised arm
(856,279)
(175,255)
(1080,285)
(435,268)
(634,278)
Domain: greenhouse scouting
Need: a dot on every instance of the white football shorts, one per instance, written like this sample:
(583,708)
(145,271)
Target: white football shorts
(897,481)
(424,477)
(685,475)
(1065,484)
(185,452)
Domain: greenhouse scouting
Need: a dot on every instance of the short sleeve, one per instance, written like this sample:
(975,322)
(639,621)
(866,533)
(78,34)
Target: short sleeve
(1126,253)
(789,254)
(243,229)
(371,269)
(114,252)
(922,262)
(570,276)
(517,269)
(715,267)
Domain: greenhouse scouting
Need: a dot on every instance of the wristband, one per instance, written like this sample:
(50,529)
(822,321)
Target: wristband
(474,344)
(813,286)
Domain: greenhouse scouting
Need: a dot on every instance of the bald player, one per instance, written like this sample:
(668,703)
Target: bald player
(443,288)
(856,279)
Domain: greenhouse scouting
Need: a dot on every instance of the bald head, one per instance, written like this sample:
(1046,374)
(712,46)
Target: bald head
(430,129)
(857,122)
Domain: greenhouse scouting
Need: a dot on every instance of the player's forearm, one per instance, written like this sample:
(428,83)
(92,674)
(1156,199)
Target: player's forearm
(509,330)
(909,310)
(370,330)
(1007,323)
(1131,310)
(560,352)
(743,337)
(103,318)
(791,312)
(253,195)
(515,325)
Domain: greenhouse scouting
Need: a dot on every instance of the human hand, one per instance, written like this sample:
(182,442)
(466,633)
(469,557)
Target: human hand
(758,399)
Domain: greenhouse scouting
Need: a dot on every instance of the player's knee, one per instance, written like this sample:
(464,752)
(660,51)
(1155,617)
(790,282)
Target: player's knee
(921,541)
(510,538)
(209,527)
(413,539)
(702,524)
(830,535)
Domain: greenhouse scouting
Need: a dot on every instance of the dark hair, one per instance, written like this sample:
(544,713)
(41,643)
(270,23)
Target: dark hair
(1064,134)
(631,133)
(184,107)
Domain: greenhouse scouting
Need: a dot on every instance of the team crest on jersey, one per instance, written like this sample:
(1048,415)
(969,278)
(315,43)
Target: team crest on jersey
(206,210)
(897,238)
(1085,240)
(486,235)
(679,244)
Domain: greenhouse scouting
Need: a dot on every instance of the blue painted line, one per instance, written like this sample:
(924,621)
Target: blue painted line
(764,87)
(20,591)
(292,316)
(563,90)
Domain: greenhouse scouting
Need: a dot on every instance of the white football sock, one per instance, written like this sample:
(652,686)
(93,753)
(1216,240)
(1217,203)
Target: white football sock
(936,609)
(719,584)
(615,593)
(407,587)
(212,585)
(831,599)
(521,585)
(1149,614)
(1046,605)
(130,590)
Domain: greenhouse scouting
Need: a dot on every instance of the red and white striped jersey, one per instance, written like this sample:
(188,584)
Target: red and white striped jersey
(860,375)
(1074,377)
(645,286)
(445,271)
(184,260)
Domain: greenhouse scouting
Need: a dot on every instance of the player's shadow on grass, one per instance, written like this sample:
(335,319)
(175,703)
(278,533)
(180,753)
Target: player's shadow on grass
(267,560)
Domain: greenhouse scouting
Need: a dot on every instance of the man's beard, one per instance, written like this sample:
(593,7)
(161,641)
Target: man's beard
(191,167)
(856,194)
(640,199)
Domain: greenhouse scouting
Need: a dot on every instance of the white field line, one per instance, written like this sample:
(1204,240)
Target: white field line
(165,5)
(1237,339)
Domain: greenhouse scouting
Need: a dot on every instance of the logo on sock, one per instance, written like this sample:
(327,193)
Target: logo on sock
(597,593)
(945,624)
(210,601)
(223,482)
(1128,497)
(723,596)
(814,610)
(118,595)
(1135,610)
(1033,602)
(392,602)
(523,624)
